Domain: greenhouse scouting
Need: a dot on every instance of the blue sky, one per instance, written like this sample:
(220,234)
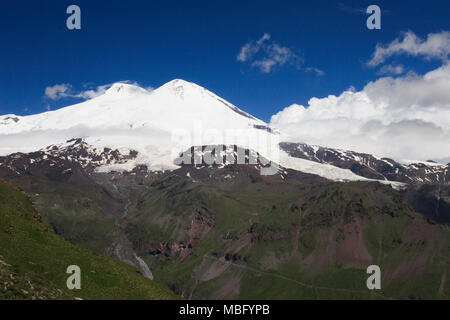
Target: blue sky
(152,42)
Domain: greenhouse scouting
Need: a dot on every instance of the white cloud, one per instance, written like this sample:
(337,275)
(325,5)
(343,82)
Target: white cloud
(316,70)
(92,93)
(404,118)
(61,91)
(57,91)
(252,48)
(390,69)
(343,7)
(266,55)
(436,45)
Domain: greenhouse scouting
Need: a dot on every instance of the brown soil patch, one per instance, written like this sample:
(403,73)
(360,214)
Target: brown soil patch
(230,289)
(352,249)
(215,269)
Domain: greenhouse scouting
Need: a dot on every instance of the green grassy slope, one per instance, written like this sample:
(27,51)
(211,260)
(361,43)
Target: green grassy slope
(33,261)
(288,241)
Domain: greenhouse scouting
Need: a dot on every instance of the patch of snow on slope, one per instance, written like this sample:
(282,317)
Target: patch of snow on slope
(327,171)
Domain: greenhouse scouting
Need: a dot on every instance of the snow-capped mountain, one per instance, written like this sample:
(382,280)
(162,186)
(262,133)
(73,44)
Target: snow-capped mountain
(126,106)
(158,124)
(128,127)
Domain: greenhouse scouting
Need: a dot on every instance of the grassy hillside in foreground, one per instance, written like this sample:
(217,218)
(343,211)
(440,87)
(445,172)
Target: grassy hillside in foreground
(33,261)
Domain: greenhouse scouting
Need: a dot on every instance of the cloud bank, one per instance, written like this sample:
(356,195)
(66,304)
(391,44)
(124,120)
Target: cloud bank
(405,118)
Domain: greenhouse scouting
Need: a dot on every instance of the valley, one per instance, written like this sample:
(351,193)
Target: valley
(228,232)
(33,261)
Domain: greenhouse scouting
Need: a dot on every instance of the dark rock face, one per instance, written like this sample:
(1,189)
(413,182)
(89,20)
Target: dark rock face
(433,201)
(75,158)
(8,120)
(371,167)
(262,127)
(220,155)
